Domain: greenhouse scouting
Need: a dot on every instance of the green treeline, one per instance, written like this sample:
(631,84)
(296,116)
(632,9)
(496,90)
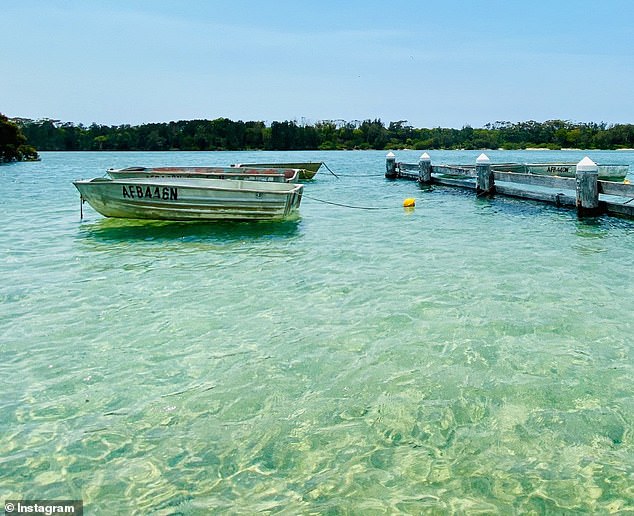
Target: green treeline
(225,134)
(13,145)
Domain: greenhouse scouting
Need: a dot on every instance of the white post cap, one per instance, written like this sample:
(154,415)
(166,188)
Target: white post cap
(587,165)
(390,155)
(424,157)
(483,158)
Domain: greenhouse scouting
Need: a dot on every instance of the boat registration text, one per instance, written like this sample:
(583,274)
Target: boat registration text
(558,170)
(139,192)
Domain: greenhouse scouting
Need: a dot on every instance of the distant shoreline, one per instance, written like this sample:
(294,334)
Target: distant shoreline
(483,149)
(224,134)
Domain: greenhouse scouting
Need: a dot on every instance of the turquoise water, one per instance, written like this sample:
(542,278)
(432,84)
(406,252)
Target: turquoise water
(470,356)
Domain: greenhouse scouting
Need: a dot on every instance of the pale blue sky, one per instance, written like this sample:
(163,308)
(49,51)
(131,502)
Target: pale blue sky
(434,63)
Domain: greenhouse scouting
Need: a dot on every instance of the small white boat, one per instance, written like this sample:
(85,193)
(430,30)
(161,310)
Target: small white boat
(172,198)
(307,170)
(289,175)
(606,172)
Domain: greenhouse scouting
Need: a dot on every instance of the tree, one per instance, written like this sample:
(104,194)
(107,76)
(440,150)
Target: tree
(13,143)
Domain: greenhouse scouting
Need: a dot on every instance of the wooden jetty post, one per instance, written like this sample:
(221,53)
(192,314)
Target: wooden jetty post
(390,166)
(485,182)
(587,179)
(424,169)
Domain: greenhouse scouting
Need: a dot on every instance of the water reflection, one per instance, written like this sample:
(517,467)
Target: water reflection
(119,230)
(602,226)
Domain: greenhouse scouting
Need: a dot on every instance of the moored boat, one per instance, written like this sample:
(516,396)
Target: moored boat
(173,198)
(248,174)
(607,172)
(307,170)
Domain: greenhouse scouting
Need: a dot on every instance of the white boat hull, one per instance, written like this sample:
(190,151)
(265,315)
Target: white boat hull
(616,172)
(191,199)
(606,172)
(248,174)
(307,170)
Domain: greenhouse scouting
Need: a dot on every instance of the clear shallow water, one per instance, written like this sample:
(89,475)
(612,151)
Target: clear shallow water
(468,356)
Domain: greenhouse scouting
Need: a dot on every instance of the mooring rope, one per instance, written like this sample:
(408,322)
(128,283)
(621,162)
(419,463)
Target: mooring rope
(360,175)
(350,206)
(339,176)
(328,168)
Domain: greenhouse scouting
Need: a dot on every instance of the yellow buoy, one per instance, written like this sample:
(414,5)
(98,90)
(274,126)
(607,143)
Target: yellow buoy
(626,181)
(410,202)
